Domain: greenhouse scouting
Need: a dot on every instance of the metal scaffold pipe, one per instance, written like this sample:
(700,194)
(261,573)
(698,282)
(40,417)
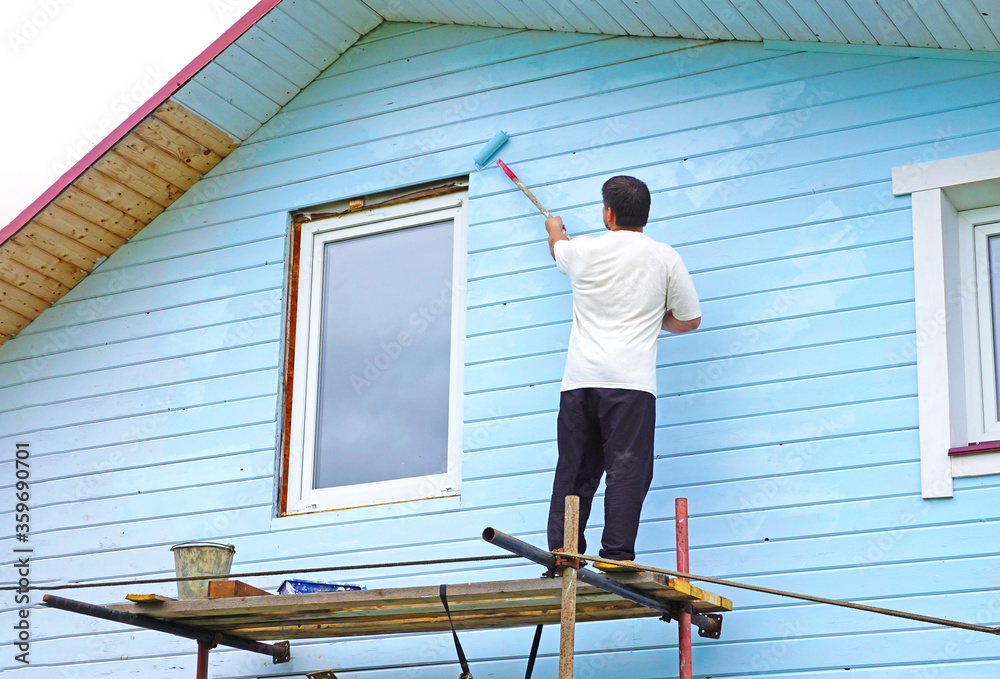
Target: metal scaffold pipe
(540,556)
(279,652)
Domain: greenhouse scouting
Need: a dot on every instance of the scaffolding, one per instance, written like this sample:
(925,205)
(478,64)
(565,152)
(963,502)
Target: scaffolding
(243,622)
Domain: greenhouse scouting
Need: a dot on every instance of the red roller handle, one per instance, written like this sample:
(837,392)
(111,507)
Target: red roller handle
(529,194)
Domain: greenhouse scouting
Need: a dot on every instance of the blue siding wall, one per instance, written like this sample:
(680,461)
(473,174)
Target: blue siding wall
(150,393)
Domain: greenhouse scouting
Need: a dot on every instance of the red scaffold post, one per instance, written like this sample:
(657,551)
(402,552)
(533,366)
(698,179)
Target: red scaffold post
(683,565)
(202,671)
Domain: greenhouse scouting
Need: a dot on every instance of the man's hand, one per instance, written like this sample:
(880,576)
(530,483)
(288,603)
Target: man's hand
(671,324)
(557,232)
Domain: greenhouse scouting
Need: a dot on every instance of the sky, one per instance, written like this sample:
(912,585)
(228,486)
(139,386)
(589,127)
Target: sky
(73,70)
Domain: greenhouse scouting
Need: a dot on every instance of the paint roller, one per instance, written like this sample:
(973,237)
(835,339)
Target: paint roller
(483,156)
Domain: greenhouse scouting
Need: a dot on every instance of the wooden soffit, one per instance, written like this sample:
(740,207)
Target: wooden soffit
(138,178)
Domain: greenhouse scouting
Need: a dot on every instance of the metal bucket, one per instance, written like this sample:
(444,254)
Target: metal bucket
(200,558)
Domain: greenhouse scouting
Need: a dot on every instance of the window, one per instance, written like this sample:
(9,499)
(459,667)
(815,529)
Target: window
(979,237)
(378,356)
(955,217)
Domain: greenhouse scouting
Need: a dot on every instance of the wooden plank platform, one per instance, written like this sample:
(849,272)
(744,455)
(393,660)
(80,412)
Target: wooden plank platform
(511,603)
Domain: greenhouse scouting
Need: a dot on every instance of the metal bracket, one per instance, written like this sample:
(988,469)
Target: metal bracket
(571,561)
(709,624)
(284,654)
(216,638)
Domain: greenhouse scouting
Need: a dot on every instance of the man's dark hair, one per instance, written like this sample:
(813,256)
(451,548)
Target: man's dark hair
(628,198)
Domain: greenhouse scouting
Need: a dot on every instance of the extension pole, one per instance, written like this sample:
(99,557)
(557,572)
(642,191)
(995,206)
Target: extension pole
(524,189)
(567,617)
(683,563)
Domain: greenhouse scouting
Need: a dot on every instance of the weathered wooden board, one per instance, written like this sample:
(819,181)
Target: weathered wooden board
(150,157)
(119,196)
(25,278)
(511,603)
(141,180)
(230,589)
(11,321)
(20,301)
(196,127)
(148,599)
(61,246)
(79,229)
(184,148)
(100,213)
(42,262)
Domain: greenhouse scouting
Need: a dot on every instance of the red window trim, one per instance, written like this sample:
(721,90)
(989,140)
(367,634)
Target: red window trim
(983,447)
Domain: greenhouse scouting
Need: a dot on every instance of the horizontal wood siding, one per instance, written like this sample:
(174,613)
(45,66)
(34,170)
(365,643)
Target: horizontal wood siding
(150,392)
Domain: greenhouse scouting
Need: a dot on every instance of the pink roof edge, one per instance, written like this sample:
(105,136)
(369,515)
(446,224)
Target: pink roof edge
(211,52)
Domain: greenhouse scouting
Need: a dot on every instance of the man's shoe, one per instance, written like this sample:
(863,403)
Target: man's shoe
(615,568)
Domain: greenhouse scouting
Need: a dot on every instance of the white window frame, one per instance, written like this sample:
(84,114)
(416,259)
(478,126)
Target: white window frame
(947,369)
(975,228)
(301,496)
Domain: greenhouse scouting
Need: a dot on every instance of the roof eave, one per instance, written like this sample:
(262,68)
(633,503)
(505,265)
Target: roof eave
(162,95)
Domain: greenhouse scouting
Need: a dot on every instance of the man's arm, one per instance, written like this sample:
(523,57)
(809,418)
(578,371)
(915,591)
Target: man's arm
(557,232)
(671,324)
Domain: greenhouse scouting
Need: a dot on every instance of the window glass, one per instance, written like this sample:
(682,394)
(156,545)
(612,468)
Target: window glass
(385,356)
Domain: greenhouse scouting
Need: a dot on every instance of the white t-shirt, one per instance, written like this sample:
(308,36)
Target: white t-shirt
(623,284)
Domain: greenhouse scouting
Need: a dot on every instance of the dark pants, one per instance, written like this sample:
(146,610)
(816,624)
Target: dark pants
(604,430)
